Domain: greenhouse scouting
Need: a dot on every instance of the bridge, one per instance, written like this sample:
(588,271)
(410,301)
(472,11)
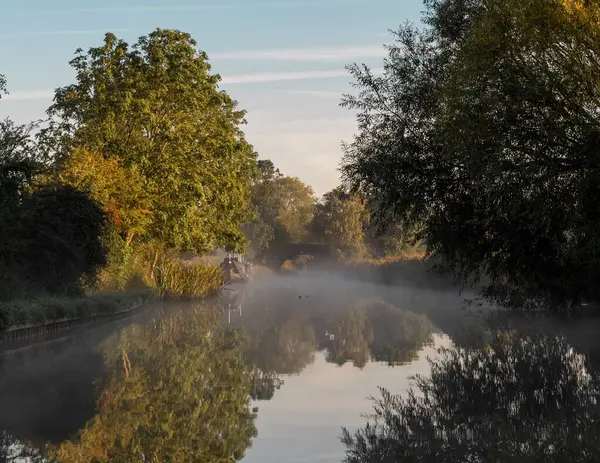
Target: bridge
(320,253)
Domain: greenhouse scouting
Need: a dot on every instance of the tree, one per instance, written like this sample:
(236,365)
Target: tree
(340,220)
(52,233)
(391,241)
(283,208)
(18,166)
(518,399)
(59,243)
(483,128)
(156,109)
(296,206)
(119,189)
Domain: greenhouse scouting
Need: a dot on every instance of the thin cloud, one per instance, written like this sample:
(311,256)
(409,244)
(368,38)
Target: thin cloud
(316,54)
(158,8)
(316,93)
(220,6)
(59,32)
(283,76)
(227,80)
(286,76)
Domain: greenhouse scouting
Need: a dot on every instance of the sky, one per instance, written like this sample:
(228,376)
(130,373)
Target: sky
(282,60)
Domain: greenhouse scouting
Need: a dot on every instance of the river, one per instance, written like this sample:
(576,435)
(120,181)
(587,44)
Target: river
(271,371)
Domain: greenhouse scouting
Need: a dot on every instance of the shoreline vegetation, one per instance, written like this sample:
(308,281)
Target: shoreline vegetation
(93,205)
(174,281)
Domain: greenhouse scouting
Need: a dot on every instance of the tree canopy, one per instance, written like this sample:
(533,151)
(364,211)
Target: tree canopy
(340,221)
(283,207)
(52,233)
(153,114)
(484,129)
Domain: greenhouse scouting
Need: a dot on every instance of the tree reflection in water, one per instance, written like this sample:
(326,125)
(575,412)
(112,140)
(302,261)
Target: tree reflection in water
(283,332)
(177,390)
(516,400)
(376,330)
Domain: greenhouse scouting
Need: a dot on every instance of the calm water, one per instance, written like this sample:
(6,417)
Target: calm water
(270,372)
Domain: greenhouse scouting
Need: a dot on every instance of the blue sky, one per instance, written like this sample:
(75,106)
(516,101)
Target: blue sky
(283,60)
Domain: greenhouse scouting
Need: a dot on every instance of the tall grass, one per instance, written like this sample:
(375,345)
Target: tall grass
(174,279)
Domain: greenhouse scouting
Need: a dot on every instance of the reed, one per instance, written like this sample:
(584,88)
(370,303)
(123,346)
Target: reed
(174,279)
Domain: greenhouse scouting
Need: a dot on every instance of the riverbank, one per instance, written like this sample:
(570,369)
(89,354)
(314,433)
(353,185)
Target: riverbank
(401,270)
(467,325)
(171,280)
(25,314)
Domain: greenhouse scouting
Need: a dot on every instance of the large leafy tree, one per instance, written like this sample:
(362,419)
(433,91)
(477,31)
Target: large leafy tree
(156,109)
(283,208)
(484,128)
(340,221)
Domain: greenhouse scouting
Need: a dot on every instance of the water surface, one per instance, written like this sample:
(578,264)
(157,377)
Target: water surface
(269,373)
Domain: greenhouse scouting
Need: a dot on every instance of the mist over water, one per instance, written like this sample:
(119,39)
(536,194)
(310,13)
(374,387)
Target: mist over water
(275,367)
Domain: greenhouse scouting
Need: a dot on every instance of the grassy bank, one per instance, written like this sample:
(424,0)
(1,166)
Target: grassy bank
(171,278)
(43,310)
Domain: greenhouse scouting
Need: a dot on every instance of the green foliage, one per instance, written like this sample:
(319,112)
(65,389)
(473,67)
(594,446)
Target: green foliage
(59,233)
(518,399)
(482,131)
(399,271)
(48,309)
(52,233)
(126,266)
(18,166)
(340,221)
(392,241)
(283,209)
(156,110)
(177,390)
(174,278)
(119,189)
(54,242)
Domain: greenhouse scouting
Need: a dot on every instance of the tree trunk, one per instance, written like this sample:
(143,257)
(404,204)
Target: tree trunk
(153,267)
(129,239)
